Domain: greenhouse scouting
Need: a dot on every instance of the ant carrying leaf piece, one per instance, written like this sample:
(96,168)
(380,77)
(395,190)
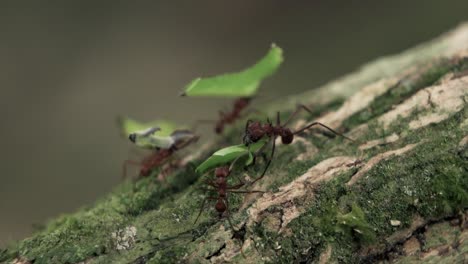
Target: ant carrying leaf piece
(228,154)
(162,140)
(256,131)
(222,188)
(241,84)
(147,139)
(163,148)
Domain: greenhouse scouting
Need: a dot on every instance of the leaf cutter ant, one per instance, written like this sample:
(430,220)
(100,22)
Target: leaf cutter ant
(162,150)
(228,118)
(222,188)
(254,131)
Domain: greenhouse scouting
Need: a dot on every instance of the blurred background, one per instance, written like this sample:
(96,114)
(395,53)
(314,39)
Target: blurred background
(68,69)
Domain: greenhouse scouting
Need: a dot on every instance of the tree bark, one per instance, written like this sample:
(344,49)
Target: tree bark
(398,193)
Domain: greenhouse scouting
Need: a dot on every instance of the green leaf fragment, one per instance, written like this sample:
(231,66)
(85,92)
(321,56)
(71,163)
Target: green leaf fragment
(250,159)
(154,141)
(241,84)
(129,126)
(229,154)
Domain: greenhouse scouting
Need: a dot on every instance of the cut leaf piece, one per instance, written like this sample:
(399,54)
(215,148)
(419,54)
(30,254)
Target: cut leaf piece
(128,126)
(147,139)
(152,141)
(241,84)
(229,154)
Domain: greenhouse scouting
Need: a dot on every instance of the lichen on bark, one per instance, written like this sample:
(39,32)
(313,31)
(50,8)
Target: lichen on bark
(398,193)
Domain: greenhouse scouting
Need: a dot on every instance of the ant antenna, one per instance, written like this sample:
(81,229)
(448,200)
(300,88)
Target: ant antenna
(324,126)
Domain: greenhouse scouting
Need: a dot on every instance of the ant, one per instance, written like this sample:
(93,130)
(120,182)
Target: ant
(222,188)
(226,118)
(159,156)
(254,131)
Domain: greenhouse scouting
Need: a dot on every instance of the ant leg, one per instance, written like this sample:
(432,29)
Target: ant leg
(252,191)
(251,111)
(247,124)
(234,187)
(210,183)
(269,161)
(166,170)
(229,214)
(324,126)
(128,162)
(256,154)
(240,180)
(206,189)
(202,206)
(298,108)
(235,232)
(278,118)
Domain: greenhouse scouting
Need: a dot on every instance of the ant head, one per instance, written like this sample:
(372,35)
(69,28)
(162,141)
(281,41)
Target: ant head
(222,171)
(242,102)
(219,128)
(132,137)
(287,136)
(220,206)
(145,171)
(253,133)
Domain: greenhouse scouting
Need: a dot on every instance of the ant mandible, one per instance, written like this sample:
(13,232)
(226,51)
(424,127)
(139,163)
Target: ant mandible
(159,156)
(254,131)
(227,118)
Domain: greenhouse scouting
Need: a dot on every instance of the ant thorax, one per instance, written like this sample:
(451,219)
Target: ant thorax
(255,131)
(287,136)
(222,172)
(241,103)
(220,207)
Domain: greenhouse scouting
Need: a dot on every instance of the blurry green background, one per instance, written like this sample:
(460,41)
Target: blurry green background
(68,69)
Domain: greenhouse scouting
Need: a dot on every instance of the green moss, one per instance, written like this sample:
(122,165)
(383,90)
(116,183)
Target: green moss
(355,223)
(429,180)
(311,231)
(73,239)
(404,89)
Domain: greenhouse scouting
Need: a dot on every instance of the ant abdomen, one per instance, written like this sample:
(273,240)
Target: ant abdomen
(145,171)
(220,206)
(287,136)
(219,128)
(241,103)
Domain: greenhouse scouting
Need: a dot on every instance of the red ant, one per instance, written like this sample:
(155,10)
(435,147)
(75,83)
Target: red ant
(254,131)
(159,156)
(226,118)
(222,188)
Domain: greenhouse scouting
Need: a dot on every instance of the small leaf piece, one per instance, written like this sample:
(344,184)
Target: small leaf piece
(229,154)
(153,141)
(129,126)
(241,84)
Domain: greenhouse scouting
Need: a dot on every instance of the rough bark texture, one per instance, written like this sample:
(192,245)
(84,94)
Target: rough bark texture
(397,194)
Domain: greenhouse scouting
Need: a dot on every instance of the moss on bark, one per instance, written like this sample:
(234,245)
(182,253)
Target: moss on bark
(327,200)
